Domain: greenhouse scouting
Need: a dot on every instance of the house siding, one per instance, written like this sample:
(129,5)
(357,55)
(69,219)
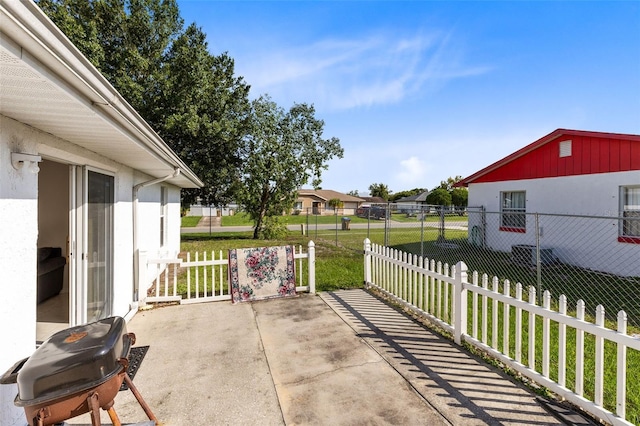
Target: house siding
(589,195)
(590,155)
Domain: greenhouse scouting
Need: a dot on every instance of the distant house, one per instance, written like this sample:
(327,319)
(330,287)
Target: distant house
(568,172)
(412,202)
(374,200)
(85,186)
(316,201)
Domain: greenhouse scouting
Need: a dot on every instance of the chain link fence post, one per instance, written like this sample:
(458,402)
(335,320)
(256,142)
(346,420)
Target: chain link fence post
(538,260)
(387,224)
(422,231)
(336,213)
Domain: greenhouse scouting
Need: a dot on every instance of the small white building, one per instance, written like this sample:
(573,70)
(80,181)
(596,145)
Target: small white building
(84,180)
(567,172)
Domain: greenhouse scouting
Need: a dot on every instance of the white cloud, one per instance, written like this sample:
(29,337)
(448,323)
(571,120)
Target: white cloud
(360,72)
(412,172)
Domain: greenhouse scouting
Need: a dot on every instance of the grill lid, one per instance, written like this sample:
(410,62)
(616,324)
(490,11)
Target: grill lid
(74,360)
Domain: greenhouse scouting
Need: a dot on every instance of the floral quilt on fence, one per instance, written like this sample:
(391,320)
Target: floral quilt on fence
(261,273)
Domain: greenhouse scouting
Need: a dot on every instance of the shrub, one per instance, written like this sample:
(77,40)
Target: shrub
(273,228)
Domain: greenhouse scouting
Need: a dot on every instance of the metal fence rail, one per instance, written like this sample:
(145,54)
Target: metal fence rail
(582,257)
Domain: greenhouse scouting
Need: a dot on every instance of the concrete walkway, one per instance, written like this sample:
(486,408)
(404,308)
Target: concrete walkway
(463,388)
(341,358)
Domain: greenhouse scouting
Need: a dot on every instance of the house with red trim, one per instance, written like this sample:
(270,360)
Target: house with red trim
(567,172)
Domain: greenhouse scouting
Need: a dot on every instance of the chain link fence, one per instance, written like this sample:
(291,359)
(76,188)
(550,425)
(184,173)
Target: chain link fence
(582,257)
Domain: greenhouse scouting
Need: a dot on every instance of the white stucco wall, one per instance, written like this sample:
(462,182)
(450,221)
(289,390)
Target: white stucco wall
(587,243)
(18,254)
(123,242)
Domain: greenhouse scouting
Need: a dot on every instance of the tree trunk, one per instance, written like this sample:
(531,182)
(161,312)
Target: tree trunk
(261,213)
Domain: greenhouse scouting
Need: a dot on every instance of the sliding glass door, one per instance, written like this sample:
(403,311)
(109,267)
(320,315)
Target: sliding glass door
(91,242)
(99,252)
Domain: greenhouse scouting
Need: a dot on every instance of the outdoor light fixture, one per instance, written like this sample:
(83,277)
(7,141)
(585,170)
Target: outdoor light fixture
(22,161)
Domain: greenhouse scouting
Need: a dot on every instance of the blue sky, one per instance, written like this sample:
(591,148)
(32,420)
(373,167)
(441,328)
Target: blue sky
(418,91)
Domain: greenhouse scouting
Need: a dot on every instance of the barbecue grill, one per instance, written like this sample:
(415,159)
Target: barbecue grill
(76,371)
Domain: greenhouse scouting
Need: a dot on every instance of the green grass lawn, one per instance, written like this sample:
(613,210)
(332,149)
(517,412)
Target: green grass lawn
(242,219)
(190,221)
(402,217)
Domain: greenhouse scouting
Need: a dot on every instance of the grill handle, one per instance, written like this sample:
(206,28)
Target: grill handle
(11,375)
(129,341)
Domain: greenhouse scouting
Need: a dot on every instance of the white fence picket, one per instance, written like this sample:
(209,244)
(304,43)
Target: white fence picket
(387,271)
(207,276)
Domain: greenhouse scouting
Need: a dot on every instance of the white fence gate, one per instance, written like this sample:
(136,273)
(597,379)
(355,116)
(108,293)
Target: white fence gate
(443,295)
(204,278)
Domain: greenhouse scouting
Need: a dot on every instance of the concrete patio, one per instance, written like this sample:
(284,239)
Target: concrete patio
(340,358)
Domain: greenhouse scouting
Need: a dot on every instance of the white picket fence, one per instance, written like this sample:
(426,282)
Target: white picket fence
(207,276)
(443,295)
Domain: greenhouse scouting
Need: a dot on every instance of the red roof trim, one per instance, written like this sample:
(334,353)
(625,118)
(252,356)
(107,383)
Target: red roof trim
(540,142)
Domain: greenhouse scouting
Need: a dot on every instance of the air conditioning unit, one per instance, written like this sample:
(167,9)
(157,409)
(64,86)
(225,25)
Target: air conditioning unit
(526,254)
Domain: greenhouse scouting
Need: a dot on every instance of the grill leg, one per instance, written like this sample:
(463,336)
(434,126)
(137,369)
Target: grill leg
(39,419)
(94,402)
(115,421)
(141,401)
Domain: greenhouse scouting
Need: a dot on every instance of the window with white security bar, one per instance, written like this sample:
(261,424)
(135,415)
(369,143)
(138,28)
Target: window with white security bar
(513,207)
(630,211)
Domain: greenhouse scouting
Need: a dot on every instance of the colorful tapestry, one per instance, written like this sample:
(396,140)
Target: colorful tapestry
(261,273)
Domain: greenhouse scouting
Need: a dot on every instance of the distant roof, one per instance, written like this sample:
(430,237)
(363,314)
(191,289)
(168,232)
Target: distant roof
(418,198)
(327,194)
(593,152)
(375,200)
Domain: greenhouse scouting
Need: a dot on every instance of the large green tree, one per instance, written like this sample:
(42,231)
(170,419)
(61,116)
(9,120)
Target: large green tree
(440,197)
(284,150)
(204,113)
(448,184)
(125,39)
(81,23)
(379,190)
(459,197)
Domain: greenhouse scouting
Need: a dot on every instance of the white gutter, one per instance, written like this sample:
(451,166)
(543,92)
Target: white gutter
(136,275)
